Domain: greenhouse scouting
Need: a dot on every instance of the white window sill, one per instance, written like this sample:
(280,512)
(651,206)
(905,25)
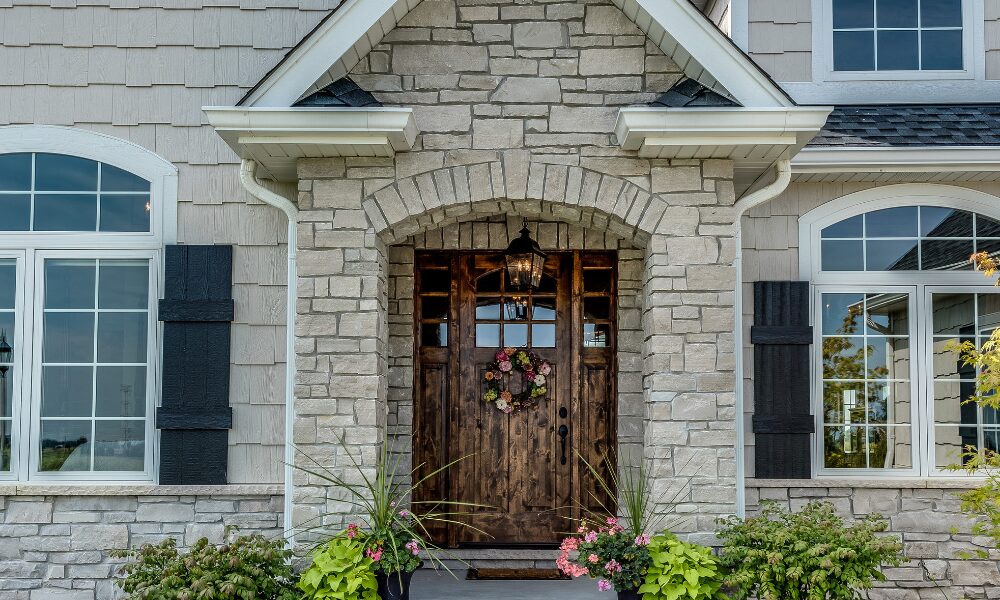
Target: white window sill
(111,489)
(957,483)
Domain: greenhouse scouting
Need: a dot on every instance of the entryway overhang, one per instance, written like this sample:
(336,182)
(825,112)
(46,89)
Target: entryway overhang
(275,138)
(754,138)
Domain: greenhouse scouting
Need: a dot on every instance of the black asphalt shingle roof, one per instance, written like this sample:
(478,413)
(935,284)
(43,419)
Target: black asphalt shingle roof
(688,92)
(343,92)
(911,125)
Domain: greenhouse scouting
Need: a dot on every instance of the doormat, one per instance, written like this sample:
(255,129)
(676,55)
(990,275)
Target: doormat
(515,575)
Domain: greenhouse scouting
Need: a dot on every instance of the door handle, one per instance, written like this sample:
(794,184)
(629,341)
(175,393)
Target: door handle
(563,432)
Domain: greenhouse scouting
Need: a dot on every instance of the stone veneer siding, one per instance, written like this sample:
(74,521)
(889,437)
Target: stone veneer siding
(924,513)
(54,541)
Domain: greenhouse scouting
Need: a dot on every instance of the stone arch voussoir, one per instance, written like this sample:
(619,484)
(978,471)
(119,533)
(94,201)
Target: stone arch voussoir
(514,186)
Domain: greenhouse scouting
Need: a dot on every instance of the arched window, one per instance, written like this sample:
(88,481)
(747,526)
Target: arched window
(83,219)
(893,289)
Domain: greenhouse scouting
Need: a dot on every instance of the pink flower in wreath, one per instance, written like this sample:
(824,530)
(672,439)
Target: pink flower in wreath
(545,368)
(506,366)
(506,396)
(591,537)
(508,409)
(529,375)
(604,585)
(501,355)
(593,558)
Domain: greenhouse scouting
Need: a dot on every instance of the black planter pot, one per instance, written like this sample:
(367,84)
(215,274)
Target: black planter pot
(389,587)
(629,595)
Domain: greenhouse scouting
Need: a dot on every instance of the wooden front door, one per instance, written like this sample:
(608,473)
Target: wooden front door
(524,465)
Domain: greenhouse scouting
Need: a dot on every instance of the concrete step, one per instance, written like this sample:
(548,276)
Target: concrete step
(498,558)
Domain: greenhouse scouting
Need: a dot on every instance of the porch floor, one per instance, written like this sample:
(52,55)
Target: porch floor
(433,585)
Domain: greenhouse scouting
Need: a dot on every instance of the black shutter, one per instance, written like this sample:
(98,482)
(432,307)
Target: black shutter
(781,336)
(195,417)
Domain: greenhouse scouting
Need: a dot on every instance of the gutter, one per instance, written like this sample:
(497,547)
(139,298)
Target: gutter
(248,178)
(783,177)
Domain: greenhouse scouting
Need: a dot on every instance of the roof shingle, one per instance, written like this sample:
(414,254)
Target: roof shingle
(911,125)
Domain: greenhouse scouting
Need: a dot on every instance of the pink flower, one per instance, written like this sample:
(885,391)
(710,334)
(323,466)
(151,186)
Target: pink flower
(545,368)
(352,531)
(529,375)
(375,555)
(612,521)
(413,547)
(603,585)
(506,366)
(506,396)
(593,558)
(590,537)
(612,566)
(508,409)
(501,356)
(570,543)
(405,514)
(642,540)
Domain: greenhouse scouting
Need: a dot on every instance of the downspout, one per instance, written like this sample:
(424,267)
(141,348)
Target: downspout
(765,194)
(248,177)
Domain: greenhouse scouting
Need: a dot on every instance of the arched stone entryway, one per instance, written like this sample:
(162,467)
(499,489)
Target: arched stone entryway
(681,349)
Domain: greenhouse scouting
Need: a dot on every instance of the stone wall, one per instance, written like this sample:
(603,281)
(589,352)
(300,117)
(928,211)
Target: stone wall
(925,514)
(54,544)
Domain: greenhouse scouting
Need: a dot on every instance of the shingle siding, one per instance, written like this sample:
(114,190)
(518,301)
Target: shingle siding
(141,71)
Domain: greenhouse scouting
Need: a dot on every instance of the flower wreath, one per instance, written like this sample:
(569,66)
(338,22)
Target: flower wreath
(535,371)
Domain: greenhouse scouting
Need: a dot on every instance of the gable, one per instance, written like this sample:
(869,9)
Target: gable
(350,32)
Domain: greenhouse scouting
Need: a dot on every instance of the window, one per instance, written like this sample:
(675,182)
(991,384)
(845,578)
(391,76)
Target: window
(892,289)
(83,219)
(898,35)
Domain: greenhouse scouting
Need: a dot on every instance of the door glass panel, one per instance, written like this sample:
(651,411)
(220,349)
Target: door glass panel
(515,334)
(867,396)
(543,335)
(434,307)
(596,336)
(544,309)
(597,280)
(434,334)
(8,318)
(488,308)
(94,365)
(487,335)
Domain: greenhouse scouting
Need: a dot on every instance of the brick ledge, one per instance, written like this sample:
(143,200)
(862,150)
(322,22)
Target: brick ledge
(960,483)
(110,489)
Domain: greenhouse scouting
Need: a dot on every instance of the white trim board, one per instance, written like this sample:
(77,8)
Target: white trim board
(676,26)
(925,159)
(277,137)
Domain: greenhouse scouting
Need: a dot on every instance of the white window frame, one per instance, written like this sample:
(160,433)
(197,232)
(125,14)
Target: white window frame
(32,247)
(919,284)
(817,380)
(16,340)
(973,50)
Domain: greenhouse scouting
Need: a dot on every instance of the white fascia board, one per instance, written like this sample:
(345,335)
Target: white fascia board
(791,126)
(241,126)
(716,53)
(324,47)
(898,160)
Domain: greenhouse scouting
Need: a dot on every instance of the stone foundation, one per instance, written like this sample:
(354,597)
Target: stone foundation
(55,541)
(926,514)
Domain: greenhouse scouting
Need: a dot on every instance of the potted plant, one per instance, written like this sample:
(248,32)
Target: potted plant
(613,543)
(391,539)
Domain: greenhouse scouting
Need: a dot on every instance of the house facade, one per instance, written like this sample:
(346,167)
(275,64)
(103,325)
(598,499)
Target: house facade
(237,237)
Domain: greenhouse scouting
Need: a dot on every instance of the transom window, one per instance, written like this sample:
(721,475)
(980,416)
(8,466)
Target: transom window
(898,35)
(55,192)
(78,288)
(893,288)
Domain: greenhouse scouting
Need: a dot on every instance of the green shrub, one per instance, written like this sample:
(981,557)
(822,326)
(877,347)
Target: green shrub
(809,555)
(248,567)
(340,571)
(681,571)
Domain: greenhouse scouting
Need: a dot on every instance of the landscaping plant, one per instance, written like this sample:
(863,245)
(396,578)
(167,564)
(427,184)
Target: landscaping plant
(340,570)
(808,555)
(681,571)
(983,502)
(609,553)
(248,567)
(391,536)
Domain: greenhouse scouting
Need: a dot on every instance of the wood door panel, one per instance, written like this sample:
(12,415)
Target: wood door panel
(515,466)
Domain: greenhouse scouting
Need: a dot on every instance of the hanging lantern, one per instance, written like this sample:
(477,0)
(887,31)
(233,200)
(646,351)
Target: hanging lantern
(6,353)
(525,262)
